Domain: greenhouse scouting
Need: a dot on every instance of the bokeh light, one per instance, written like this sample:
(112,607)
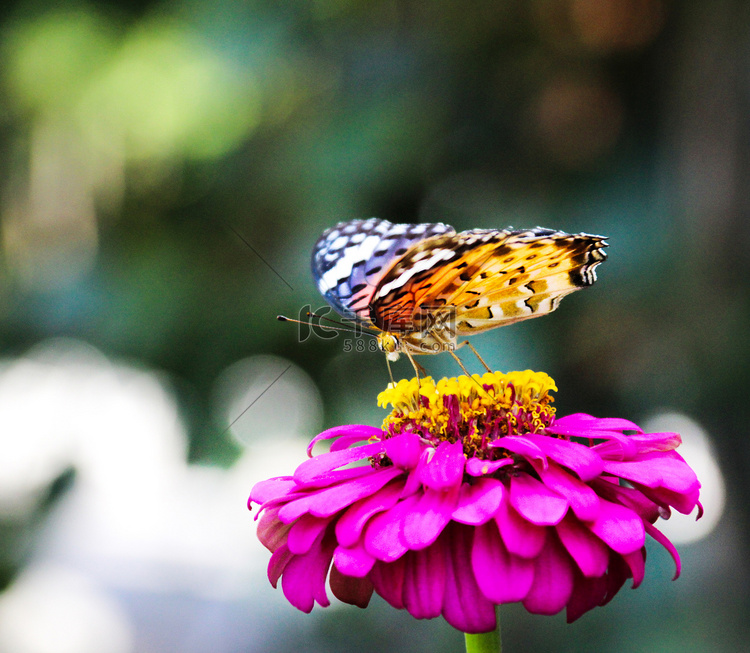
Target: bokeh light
(266,398)
(576,121)
(698,452)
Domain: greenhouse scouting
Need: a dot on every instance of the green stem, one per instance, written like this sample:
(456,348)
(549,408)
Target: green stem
(485,642)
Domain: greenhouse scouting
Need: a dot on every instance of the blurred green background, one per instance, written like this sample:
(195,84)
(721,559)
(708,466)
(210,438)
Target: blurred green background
(141,142)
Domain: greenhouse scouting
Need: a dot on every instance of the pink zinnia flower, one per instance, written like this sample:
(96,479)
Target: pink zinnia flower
(472,497)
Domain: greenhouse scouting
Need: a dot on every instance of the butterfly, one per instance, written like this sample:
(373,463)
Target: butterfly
(421,286)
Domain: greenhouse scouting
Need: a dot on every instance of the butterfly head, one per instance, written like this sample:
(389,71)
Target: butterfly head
(390,344)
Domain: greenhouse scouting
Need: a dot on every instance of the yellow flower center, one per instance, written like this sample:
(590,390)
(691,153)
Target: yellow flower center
(475,410)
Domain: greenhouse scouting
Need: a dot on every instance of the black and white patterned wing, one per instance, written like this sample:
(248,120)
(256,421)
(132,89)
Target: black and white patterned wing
(350,259)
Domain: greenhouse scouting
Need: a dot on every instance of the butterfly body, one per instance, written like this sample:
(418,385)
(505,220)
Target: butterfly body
(423,285)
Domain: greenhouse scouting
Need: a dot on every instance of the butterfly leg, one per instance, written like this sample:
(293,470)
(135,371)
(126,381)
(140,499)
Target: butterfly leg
(476,353)
(460,362)
(417,367)
(390,371)
(463,367)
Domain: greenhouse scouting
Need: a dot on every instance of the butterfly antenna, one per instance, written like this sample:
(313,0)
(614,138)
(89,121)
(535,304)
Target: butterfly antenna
(284,318)
(339,324)
(476,353)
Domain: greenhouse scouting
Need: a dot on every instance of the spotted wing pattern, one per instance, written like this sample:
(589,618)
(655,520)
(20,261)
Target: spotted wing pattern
(481,279)
(350,259)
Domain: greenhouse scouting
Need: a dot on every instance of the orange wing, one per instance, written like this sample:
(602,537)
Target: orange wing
(477,280)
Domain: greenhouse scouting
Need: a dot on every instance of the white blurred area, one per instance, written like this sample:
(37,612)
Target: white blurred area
(697,451)
(267,398)
(144,552)
(53,609)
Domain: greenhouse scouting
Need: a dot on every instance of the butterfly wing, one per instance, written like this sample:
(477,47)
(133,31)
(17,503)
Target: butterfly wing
(350,259)
(528,281)
(477,280)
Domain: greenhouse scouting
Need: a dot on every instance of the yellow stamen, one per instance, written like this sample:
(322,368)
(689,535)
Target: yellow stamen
(457,408)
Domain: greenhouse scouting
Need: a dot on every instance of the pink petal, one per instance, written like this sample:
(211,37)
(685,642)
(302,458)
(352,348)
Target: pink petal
(464,606)
(478,503)
(684,503)
(446,467)
(349,528)
(383,534)
(428,517)
(582,460)
(648,442)
(414,479)
(664,541)
(609,429)
(619,527)
(329,501)
(354,561)
(617,573)
(521,537)
(388,579)
(271,489)
(346,441)
(617,424)
(304,579)
(582,499)
(501,576)
(279,560)
(637,563)
(631,498)
(535,501)
(354,591)
(404,450)
(272,533)
(335,476)
(304,532)
(589,552)
(616,447)
(588,593)
(320,469)
(553,580)
(424,582)
(656,470)
(572,424)
(479,467)
(348,433)
(521,446)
